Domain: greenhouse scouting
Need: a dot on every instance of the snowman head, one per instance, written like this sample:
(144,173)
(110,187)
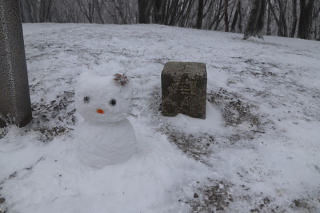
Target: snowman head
(103,99)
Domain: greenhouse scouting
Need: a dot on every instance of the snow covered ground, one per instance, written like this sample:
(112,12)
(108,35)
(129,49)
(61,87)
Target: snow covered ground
(257,151)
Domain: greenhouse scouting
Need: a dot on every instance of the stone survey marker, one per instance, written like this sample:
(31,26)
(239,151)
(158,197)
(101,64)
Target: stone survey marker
(14,88)
(184,88)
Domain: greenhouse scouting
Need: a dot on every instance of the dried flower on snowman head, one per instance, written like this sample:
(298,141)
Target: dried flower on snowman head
(103,98)
(121,79)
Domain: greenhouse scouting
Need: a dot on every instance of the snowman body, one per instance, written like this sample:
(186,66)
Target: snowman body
(102,145)
(105,135)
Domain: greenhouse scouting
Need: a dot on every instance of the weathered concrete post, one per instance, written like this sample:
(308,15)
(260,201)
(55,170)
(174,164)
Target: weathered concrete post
(14,88)
(184,89)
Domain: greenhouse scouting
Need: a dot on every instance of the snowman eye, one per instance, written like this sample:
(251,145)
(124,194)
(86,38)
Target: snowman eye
(86,99)
(113,102)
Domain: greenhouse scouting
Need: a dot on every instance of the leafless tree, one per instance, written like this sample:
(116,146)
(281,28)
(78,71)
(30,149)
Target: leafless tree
(268,19)
(45,10)
(237,18)
(200,14)
(305,23)
(90,9)
(294,18)
(280,18)
(29,11)
(145,7)
(226,18)
(256,19)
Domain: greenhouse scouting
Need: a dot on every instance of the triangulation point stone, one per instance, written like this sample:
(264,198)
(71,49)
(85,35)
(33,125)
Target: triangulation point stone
(184,88)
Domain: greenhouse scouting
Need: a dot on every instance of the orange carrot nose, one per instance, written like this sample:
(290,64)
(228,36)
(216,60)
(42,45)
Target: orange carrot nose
(100,111)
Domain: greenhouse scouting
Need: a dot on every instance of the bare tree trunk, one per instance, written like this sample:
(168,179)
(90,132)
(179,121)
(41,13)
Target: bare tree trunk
(236,17)
(174,12)
(240,18)
(91,10)
(281,21)
(318,38)
(216,12)
(28,11)
(185,18)
(119,6)
(87,9)
(226,20)
(294,18)
(144,7)
(142,10)
(22,14)
(282,27)
(269,20)
(14,96)
(157,10)
(200,14)
(45,10)
(256,19)
(98,7)
(261,17)
(305,23)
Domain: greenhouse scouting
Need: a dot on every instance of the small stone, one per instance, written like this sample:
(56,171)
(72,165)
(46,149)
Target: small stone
(2,200)
(2,123)
(195,195)
(266,200)
(184,89)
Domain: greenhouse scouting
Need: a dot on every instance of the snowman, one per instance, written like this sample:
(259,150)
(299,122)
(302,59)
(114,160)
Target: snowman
(106,137)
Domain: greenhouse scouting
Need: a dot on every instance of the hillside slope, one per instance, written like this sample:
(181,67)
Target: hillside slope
(258,149)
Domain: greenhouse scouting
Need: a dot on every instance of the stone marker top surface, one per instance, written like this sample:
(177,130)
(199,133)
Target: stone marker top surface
(191,68)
